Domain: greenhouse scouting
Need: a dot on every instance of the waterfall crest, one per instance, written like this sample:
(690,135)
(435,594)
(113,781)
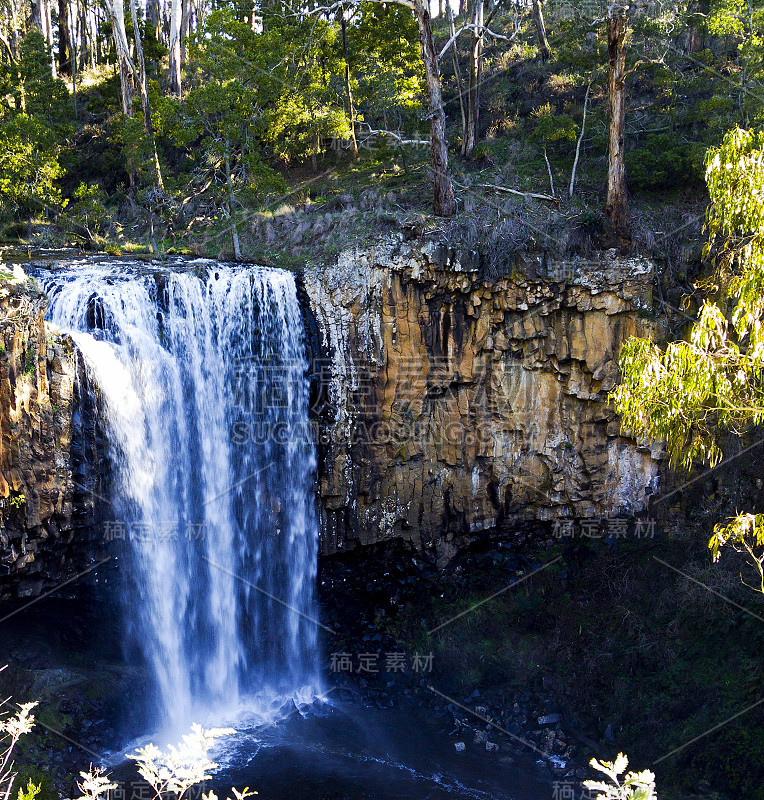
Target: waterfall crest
(201,374)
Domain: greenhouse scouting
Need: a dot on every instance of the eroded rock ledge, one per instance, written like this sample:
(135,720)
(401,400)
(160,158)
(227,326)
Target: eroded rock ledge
(454,405)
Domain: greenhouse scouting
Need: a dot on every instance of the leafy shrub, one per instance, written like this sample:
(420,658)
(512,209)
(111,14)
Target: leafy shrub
(11,730)
(665,162)
(633,785)
(86,215)
(735,760)
(30,778)
(28,166)
(552,127)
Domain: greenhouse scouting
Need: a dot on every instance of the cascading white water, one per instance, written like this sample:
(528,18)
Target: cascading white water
(201,371)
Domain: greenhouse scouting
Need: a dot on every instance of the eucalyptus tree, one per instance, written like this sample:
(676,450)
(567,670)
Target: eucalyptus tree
(226,123)
(33,112)
(742,24)
(115,10)
(538,20)
(65,39)
(144,96)
(444,201)
(688,393)
(348,83)
(617,204)
(387,67)
(478,27)
(42,20)
(174,46)
(620,19)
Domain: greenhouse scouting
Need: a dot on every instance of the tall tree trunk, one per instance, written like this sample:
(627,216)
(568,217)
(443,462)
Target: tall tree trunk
(616,207)
(15,29)
(47,22)
(473,87)
(79,35)
(693,40)
(152,17)
(64,39)
(93,39)
(457,70)
(444,203)
(87,47)
(348,85)
(538,19)
(98,41)
(40,19)
(185,15)
(36,16)
(231,203)
(200,12)
(144,94)
(176,20)
(74,49)
(116,13)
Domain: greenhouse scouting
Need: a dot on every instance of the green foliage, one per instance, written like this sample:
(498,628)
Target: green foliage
(686,392)
(219,112)
(633,785)
(33,113)
(693,390)
(43,96)
(553,128)
(12,728)
(138,157)
(17,500)
(31,792)
(743,22)
(384,55)
(86,213)
(28,166)
(665,162)
(745,533)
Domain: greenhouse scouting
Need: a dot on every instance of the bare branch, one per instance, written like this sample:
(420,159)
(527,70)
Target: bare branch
(484,30)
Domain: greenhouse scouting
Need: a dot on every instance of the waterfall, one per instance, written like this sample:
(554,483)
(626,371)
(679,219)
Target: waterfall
(201,374)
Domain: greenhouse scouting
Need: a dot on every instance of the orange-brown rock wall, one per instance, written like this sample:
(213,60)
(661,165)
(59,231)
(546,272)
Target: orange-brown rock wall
(455,405)
(37,370)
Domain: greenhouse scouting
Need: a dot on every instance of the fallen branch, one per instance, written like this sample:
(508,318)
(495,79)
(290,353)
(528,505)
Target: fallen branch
(507,190)
(371,133)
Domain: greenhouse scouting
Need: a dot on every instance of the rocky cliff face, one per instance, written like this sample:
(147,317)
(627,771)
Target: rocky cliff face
(452,405)
(37,488)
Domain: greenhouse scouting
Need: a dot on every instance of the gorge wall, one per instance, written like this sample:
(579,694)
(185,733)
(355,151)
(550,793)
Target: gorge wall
(449,406)
(39,502)
(452,405)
